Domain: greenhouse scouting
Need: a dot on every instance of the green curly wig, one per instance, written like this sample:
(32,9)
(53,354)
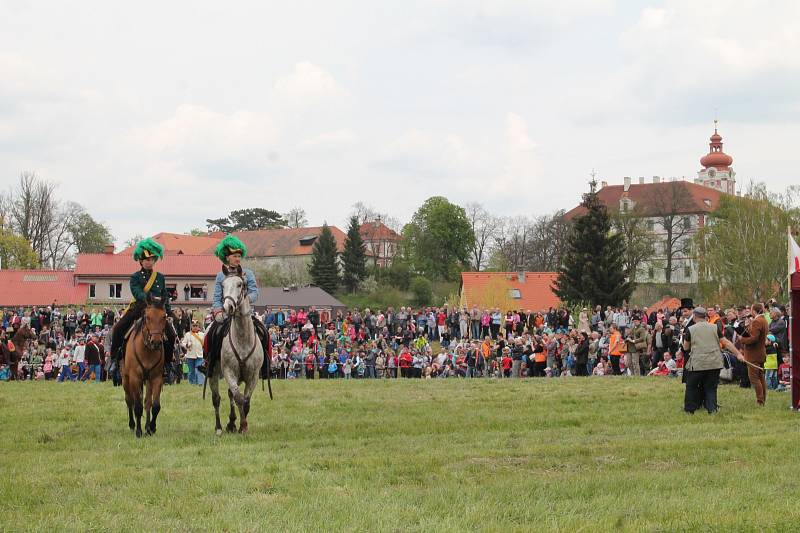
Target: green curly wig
(146,249)
(229,245)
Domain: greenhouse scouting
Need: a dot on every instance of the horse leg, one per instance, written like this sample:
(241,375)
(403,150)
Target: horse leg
(137,408)
(155,398)
(231,427)
(148,405)
(244,408)
(234,396)
(129,403)
(215,399)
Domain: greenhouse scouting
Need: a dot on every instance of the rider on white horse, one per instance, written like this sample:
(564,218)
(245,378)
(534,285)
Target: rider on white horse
(230,251)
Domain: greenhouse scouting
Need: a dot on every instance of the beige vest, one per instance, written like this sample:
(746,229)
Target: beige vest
(705,352)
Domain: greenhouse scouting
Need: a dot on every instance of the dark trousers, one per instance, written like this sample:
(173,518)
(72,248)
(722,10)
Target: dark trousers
(615,365)
(701,390)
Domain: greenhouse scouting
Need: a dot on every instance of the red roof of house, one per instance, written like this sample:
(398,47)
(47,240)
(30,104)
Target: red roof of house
(369,232)
(99,265)
(40,287)
(690,198)
(535,291)
(284,242)
(178,243)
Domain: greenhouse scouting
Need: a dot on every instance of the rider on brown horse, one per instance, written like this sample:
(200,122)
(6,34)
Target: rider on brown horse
(144,282)
(230,251)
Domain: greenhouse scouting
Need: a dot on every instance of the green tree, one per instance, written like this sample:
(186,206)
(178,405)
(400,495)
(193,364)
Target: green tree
(197,232)
(88,235)
(324,267)
(593,267)
(742,250)
(422,290)
(639,240)
(16,252)
(354,257)
(247,220)
(439,239)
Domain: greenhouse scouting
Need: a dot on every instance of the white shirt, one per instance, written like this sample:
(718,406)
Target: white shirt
(80,350)
(193,345)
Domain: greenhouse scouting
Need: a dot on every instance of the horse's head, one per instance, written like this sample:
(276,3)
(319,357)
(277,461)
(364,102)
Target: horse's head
(26,332)
(234,294)
(155,320)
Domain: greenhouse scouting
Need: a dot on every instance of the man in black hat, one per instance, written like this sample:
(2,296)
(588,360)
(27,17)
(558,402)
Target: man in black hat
(701,371)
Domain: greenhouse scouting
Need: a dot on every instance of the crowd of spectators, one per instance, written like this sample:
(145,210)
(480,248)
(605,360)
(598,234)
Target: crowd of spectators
(430,342)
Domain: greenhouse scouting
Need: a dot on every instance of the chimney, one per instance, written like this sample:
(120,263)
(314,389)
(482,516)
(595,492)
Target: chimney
(656,179)
(108,249)
(521,277)
(627,181)
(641,180)
(603,184)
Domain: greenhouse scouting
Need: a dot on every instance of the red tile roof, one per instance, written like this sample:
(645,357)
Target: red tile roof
(40,287)
(649,196)
(284,242)
(382,232)
(98,265)
(178,243)
(491,289)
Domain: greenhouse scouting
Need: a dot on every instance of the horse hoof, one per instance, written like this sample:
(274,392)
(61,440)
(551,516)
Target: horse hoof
(218,432)
(243,430)
(138,433)
(231,428)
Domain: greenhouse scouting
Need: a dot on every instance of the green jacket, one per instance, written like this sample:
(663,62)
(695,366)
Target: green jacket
(639,336)
(159,288)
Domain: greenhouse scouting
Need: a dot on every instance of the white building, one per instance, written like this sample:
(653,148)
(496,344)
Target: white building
(674,211)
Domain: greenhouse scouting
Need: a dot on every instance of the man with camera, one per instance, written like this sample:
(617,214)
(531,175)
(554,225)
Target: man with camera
(752,329)
(637,345)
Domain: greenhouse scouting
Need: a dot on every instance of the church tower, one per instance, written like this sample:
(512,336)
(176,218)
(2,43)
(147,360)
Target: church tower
(717,172)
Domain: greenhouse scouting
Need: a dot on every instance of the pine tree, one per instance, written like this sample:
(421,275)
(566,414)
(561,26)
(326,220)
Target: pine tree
(324,268)
(593,269)
(354,257)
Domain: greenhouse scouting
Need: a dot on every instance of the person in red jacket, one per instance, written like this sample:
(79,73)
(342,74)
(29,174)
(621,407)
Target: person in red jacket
(406,360)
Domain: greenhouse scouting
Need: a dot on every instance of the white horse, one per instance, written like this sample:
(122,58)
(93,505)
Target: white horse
(241,355)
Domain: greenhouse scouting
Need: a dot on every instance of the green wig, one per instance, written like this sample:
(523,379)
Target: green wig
(146,249)
(229,245)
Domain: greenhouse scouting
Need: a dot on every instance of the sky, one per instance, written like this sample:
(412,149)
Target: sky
(158,115)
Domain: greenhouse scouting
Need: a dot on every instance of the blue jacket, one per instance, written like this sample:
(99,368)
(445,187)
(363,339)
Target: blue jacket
(249,278)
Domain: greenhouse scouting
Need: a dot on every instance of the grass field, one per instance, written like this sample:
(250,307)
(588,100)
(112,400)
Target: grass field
(574,454)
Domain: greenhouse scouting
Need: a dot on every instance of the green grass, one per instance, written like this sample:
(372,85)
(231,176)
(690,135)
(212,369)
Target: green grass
(560,454)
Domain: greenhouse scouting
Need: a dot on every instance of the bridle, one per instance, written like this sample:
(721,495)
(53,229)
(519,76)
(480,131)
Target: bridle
(237,302)
(150,339)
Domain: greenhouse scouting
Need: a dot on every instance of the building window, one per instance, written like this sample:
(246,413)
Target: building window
(687,224)
(92,291)
(651,273)
(115,291)
(651,225)
(514,293)
(196,292)
(172,290)
(687,271)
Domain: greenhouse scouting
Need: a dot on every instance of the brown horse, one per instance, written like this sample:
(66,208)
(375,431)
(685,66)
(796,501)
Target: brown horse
(20,339)
(144,363)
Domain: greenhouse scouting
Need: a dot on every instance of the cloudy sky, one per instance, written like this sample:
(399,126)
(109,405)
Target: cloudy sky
(203,107)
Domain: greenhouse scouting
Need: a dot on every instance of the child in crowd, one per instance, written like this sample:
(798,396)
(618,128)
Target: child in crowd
(771,363)
(784,374)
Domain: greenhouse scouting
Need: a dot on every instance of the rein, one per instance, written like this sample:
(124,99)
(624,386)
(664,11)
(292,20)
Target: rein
(146,371)
(239,357)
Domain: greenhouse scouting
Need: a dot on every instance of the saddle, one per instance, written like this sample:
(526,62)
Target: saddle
(216,335)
